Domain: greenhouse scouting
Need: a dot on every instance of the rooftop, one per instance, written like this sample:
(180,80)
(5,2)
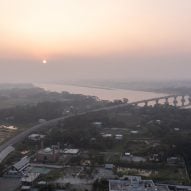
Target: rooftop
(133,183)
(107,135)
(48,151)
(22,163)
(70,151)
(36,136)
(30,177)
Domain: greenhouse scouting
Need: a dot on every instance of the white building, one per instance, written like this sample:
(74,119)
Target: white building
(71,151)
(118,137)
(28,180)
(36,137)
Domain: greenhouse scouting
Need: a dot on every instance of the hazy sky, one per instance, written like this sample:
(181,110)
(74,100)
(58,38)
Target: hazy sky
(94,39)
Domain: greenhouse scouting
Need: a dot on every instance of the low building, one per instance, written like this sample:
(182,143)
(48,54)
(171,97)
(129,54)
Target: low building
(107,135)
(158,122)
(128,157)
(48,155)
(174,160)
(93,139)
(134,132)
(28,180)
(71,151)
(19,167)
(155,158)
(97,124)
(36,137)
(127,154)
(22,164)
(132,183)
(109,166)
(118,137)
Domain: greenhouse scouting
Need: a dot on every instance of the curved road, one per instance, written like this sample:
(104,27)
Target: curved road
(24,134)
(52,122)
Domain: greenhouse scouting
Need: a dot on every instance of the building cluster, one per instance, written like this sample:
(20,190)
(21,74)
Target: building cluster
(136,183)
(132,183)
(49,154)
(53,153)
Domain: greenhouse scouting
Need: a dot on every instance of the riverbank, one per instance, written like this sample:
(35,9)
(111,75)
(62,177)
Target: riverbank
(103,93)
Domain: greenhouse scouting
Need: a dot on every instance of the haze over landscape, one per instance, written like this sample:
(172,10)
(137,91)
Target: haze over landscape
(86,39)
(95,95)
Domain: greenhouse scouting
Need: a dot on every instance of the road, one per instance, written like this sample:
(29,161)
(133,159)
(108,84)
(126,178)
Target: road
(24,134)
(18,138)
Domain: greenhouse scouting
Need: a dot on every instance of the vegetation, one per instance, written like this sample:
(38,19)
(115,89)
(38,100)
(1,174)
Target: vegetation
(146,131)
(101,185)
(157,134)
(27,106)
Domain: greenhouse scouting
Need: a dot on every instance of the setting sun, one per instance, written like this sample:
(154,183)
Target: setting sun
(44,61)
(130,36)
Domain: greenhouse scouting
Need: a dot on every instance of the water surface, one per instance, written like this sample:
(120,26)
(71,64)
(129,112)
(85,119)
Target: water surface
(102,93)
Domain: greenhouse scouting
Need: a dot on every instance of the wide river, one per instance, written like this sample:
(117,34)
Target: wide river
(102,93)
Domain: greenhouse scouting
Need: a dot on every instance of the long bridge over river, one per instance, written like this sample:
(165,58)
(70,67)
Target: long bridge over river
(181,100)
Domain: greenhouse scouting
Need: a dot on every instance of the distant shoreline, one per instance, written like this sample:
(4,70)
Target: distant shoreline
(108,88)
(101,92)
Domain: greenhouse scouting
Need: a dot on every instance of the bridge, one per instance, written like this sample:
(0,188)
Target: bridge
(174,100)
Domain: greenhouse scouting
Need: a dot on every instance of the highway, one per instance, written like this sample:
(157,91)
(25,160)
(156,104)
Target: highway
(18,138)
(24,134)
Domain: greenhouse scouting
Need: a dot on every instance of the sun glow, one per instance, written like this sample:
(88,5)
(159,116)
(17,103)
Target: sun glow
(44,61)
(60,27)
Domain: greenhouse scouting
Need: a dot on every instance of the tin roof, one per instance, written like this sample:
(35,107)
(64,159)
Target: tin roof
(22,163)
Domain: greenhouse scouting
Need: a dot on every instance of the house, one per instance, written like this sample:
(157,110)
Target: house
(28,180)
(109,166)
(97,124)
(127,154)
(173,160)
(118,137)
(71,151)
(19,167)
(131,158)
(93,139)
(48,155)
(36,137)
(107,135)
(158,122)
(155,157)
(22,164)
(134,132)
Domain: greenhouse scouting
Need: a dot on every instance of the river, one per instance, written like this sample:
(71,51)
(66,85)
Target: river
(102,93)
